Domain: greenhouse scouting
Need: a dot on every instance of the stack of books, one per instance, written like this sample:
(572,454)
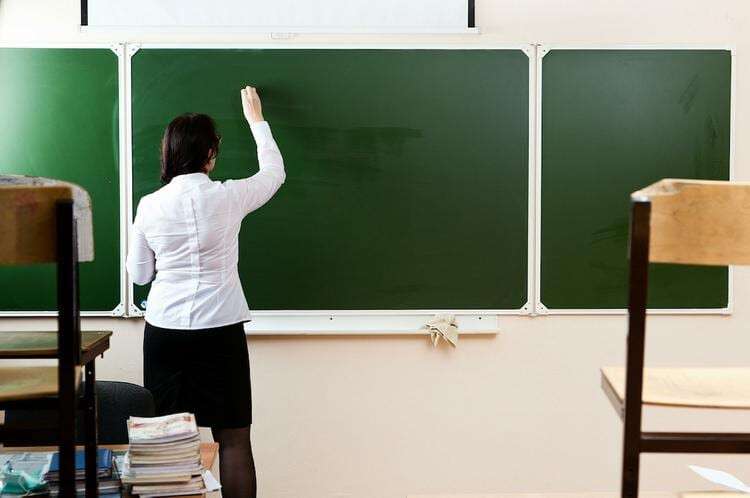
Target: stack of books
(163,457)
(109,480)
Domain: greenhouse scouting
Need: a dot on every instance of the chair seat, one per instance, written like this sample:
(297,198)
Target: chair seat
(685,387)
(22,383)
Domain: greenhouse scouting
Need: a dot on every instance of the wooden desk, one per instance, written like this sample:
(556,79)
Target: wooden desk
(29,387)
(208,454)
(34,344)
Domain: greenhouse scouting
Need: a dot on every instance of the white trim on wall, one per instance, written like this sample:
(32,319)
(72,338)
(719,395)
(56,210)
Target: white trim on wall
(531,53)
(333,46)
(540,52)
(130,50)
(119,49)
(387,322)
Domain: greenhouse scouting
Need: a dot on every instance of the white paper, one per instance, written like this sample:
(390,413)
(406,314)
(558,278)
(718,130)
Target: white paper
(210,482)
(721,478)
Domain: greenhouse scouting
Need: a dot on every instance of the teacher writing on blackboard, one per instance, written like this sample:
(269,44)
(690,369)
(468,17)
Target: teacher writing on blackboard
(185,239)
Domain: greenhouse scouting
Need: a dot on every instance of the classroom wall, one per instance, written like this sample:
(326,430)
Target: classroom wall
(382,417)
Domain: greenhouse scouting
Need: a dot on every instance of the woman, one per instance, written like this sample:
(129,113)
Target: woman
(195,356)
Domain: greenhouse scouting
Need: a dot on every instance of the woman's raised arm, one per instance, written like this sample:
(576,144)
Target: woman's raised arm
(251,193)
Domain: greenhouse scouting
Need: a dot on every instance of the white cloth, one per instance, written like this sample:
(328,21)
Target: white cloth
(443,327)
(186,232)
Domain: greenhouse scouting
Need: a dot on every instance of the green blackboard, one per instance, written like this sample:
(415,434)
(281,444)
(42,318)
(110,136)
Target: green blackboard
(614,121)
(407,170)
(59,119)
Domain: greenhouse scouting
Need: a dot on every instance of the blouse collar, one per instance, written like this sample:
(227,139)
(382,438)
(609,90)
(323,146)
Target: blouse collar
(191,178)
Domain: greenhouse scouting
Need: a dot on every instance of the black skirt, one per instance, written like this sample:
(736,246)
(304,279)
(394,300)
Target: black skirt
(205,372)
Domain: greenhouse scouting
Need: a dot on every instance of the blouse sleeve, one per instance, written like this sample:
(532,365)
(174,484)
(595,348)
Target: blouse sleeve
(251,193)
(141,259)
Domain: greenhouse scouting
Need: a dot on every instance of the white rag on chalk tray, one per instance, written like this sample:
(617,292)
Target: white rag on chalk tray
(443,327)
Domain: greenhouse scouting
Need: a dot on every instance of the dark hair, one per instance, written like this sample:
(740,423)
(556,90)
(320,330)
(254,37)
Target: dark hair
(187,143)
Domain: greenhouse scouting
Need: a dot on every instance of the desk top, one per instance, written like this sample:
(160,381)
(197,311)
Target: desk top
(35,344)
(208,454)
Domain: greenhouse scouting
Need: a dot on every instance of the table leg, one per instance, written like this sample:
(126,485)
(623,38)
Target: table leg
(90,431)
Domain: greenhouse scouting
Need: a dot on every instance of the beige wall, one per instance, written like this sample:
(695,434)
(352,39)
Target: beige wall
(381,417)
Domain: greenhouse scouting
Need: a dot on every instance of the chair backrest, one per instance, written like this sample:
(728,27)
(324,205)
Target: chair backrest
(28,219)
(117,401)
(698,222)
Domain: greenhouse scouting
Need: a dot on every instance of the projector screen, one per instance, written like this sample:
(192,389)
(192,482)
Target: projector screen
(284,15)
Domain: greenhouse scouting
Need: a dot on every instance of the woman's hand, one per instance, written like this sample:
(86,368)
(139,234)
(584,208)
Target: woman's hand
(251,105)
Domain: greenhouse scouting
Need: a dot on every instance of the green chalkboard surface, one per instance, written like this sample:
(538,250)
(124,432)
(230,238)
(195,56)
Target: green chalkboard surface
(59,119)
(407,170)
(614,121)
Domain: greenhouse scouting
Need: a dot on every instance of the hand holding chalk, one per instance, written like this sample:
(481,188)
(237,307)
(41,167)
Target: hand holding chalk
(251,105)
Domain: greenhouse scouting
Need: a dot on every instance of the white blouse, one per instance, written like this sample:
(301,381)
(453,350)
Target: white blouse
(186,234)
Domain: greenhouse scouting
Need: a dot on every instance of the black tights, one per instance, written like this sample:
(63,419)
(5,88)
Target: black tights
(236,465)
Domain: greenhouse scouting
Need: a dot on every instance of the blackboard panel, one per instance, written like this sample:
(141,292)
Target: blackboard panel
(59,119)
(407,182)
(614,121)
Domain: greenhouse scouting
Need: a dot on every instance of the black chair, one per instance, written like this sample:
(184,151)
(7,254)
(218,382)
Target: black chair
(116,401)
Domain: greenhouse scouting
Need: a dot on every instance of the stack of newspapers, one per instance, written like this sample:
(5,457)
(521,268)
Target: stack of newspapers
(163,457)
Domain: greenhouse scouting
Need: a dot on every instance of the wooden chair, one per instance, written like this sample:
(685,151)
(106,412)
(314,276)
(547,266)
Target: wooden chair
(683,222)
(43,221)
